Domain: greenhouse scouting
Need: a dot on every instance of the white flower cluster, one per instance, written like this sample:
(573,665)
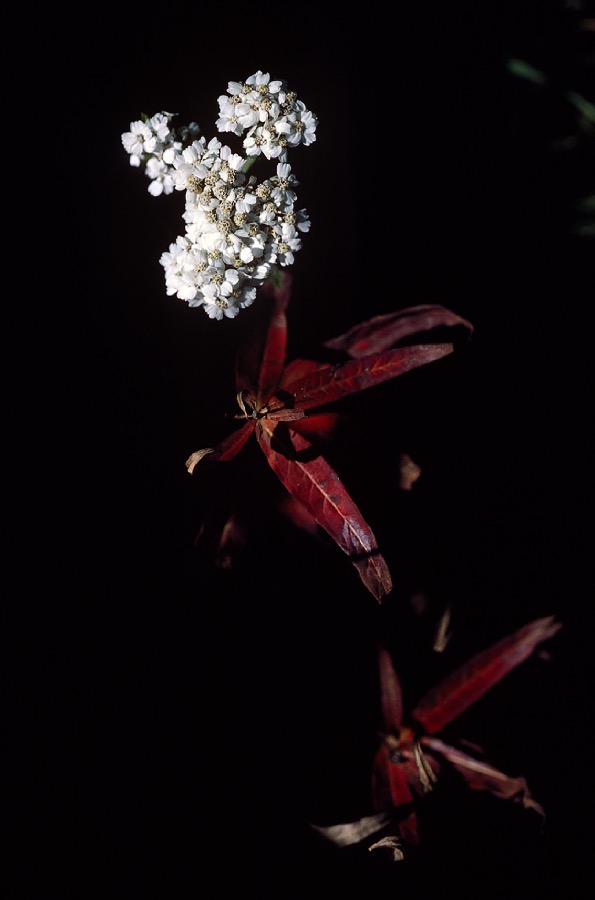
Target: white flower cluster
(236,228)
(154,144)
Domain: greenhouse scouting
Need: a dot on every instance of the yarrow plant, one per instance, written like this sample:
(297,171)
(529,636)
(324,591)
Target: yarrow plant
(239,235)
(237,229)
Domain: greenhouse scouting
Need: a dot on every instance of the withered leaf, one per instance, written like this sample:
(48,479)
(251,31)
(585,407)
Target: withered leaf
(194,458)
(391,845)
(344,834)
(409,472)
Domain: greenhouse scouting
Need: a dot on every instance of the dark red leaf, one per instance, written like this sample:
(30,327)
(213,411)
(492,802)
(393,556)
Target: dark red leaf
(318,425)
(287,414)
(459,690)
(391,700)
(480,776)
(382,332)
(373,571)
(279,287)
(408,829)
(311,480)
(233,443)
(261,358)
(297,513)
(390,781)
(298,368)
(335,381)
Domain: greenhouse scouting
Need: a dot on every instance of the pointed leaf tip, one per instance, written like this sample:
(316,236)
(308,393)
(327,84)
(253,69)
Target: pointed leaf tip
(463,687)
(330,383)
(314,483)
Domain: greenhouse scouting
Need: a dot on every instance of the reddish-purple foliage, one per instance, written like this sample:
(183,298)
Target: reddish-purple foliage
(276,399)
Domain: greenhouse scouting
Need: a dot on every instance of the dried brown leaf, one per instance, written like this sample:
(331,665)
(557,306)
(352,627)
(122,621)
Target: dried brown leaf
(345,834)
(194,458)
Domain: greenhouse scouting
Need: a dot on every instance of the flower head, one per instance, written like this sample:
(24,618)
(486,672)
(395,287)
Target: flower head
(231,219)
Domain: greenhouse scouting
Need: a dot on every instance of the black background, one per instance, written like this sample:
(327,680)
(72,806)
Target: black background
(173,728)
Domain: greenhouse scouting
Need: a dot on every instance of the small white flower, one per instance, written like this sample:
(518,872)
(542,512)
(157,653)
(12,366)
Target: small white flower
(161,177)
(218,307)
(248,297)
(160,125)
(234,88)
(300,219)
(248,114)
(261,82)
(134,140)
(299,127)
(231,166)
(187,288)
(282,184)
(289,242)
(228,118)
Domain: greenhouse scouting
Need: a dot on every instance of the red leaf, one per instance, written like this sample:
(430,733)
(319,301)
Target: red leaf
(408,829)
(278,287)
(480,776)
(458,691)
(385,331)
(297,513)
(374,572)
(312,481)
(390,781)
(318,425)
(335,381)
(261,358)
(298,368)
(391,700)
(233,443)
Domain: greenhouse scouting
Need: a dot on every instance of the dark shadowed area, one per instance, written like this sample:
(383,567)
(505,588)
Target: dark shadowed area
(174,728)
